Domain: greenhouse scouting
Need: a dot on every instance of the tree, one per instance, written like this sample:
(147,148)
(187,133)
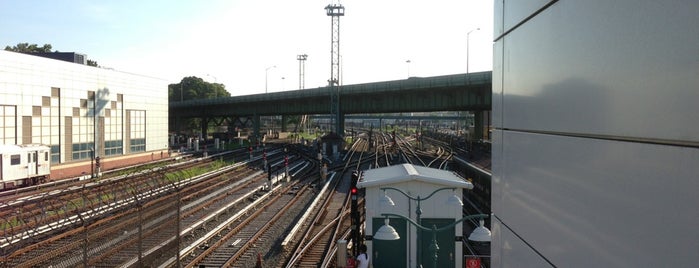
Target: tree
(193,88)
(27,48)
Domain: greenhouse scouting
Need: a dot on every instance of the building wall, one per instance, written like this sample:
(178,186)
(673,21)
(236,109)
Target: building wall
(595,147)
(74,108)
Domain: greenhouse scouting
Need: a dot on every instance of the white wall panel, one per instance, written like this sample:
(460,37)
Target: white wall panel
(619,68)
(587,202)
(510,251)
(26,79)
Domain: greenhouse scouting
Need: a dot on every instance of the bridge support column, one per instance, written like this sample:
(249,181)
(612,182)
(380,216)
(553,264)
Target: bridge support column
(340,128)
(478,125)
(177,124)
(204,127)
(255,129)
(283,123)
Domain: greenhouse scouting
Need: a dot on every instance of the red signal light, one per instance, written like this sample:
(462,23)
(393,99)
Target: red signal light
(353,190)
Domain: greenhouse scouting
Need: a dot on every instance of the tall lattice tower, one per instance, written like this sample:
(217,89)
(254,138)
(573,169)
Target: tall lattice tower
(302,84)
(335,11)
(302,70)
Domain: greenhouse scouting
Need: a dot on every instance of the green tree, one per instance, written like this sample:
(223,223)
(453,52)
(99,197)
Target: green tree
(193,88)
(34,48)
(29,48)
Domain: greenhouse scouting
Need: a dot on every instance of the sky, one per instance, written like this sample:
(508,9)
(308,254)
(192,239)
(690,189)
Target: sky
(235,42)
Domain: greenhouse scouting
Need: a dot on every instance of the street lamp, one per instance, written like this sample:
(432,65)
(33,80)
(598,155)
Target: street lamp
(387,232)
(92,162)
(385,201)
(266,72)
(408,63)
(467,41)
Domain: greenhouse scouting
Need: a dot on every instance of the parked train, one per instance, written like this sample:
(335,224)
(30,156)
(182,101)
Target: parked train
(24,165)
(480,178)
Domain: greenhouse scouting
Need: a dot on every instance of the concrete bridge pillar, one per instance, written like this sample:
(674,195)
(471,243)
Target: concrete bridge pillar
(481,123)
(204,127)
(255,129)
(340,125)
(283,123)
(478,125)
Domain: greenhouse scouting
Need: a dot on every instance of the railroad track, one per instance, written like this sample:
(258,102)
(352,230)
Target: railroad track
(16,252)
(317,245)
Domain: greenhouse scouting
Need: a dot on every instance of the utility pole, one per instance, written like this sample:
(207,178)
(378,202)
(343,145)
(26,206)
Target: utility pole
(335,11)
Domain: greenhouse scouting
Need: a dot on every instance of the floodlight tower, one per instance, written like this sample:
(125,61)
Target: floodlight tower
(335,11)
(302,70)
(302,83)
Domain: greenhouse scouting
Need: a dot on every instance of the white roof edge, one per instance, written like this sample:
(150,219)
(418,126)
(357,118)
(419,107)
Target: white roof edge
(408,172)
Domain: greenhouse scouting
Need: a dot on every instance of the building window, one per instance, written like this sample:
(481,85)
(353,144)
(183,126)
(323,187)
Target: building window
(8,124)
(138,145)
(55,153)
(137,130)
(15,159)
(113,147)
(82,151)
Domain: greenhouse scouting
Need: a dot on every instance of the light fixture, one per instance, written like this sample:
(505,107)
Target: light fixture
(480,234)
(386,232)
(455,201)
(386,201)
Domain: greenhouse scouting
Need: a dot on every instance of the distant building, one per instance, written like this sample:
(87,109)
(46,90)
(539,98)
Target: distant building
(64,56)
(80,111)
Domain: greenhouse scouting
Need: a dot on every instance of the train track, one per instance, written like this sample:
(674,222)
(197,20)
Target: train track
(90,217)
(317,245)
(228,219)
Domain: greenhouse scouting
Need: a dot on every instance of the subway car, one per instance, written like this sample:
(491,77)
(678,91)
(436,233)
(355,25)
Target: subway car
(24,165)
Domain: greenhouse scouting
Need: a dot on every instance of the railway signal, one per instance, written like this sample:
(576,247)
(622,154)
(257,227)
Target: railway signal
(264,156)
(354,211)
(286,166)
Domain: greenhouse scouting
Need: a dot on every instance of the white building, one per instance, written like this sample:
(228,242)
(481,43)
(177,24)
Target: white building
(596,139)
(75,108)
(416,182)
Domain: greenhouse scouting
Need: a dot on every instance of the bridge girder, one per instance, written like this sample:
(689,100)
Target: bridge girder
(461,92)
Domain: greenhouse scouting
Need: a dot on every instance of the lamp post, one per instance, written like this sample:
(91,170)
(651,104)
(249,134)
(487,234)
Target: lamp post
(266,72)
(387,232)
(408,63)
(385,200)
(92,162)
(467,41)
(215,82)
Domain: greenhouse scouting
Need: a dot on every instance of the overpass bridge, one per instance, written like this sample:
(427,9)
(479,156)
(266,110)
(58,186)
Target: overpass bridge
(458,92)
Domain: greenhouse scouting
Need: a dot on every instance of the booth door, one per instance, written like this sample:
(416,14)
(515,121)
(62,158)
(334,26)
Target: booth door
(390,253)
(445,241)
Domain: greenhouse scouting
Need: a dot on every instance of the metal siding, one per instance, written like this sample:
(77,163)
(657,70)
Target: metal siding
(599,70)
(621,202)
(635,78)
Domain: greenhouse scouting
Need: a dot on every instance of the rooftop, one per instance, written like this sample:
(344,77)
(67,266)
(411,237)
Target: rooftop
(408,172)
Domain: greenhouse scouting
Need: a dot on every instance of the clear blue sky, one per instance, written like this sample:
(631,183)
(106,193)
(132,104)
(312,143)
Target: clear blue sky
(233,41)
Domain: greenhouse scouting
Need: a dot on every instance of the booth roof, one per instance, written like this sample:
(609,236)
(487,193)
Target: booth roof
(407,172)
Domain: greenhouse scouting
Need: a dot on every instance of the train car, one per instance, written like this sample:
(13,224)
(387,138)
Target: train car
(24,165)
(480,195)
